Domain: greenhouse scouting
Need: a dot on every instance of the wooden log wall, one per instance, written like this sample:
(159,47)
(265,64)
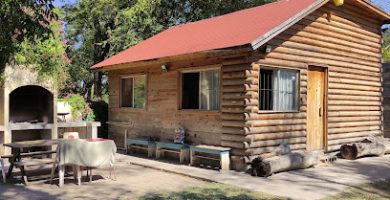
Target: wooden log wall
(162,115)
(386,98)
(345,39)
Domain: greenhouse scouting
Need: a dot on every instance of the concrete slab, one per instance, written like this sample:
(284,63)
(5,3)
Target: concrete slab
(313,183)
(132,182)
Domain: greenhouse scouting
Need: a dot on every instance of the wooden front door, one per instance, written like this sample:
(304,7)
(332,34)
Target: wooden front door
(316,108)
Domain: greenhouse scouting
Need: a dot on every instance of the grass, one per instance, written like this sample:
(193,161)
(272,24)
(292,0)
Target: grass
(211,191)
(379,190)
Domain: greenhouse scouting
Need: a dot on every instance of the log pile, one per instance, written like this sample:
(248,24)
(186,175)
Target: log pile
(282,159)
(370,146)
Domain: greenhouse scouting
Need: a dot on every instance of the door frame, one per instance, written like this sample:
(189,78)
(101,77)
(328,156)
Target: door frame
(326,88)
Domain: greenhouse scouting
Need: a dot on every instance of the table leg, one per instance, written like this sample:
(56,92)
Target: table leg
(61,173)
(12,160)
(24,175)
(78,174)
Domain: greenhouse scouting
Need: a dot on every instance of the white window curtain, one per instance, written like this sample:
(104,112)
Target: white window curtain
(209,90)
(285,90)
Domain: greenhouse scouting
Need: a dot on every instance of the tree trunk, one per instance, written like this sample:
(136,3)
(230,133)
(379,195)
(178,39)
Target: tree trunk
(97,86)
(371,146)
(295,160)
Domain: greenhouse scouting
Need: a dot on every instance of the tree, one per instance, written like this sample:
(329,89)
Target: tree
(46,54)
(101,28)
(22,20)
(386,46)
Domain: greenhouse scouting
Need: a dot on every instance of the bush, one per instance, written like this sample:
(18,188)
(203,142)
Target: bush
(79,107)
(100,109)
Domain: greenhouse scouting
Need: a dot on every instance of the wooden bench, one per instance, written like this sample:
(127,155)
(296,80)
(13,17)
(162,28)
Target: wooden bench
(32,163)
(181,149)
(138,143)
(222,152)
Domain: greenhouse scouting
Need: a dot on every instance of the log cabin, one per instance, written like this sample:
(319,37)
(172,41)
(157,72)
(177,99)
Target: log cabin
(302,72)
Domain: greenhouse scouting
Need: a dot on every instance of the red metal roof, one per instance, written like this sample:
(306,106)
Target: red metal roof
(230,30)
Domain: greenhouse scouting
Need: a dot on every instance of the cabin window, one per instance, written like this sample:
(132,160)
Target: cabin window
(133,92)
(278,89)
(200,90)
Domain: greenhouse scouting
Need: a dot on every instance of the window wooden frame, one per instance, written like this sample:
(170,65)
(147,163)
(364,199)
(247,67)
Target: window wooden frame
(146,91)
(180,88)
(271,67)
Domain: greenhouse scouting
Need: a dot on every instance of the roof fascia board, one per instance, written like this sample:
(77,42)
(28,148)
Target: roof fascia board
(375,9)
(144,63)
(258,42)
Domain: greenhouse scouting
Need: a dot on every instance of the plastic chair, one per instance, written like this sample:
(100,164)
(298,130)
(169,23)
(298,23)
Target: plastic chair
(2,169)
(71,135)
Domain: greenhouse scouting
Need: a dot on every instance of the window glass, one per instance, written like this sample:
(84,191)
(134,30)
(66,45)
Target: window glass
(278,90)
(200,90)
(133,92)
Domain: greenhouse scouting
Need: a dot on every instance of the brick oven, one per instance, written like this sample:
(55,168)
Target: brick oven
(28,107)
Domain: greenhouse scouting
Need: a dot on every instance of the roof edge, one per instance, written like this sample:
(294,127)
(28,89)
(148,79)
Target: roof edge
(375,8)
(214,52)
(258,42)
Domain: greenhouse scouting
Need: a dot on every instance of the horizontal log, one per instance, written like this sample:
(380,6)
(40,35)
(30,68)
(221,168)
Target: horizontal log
(352,29)
(353,113)
(239,117)
(273,129)
(298,51)
(346,140)
(350,76)
(255,123)
(233,123)
(267,116)
(354,108)
(241,66)
(354,124)
(268,143)
(240,88)
(352,97)
(354,103)
(234,138)
(258,151)
(354,92)
(353,134)
(323,42)
(240,95)
(353,129)
(347,19)
(280,135)
(233,144)
(240,81)
(233,130)
(346,80)
(244,74)
(321,60)
(354,87)
(354,119)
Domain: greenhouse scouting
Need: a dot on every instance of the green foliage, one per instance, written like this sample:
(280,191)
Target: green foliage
(79,107)
(22,20)
(46,55)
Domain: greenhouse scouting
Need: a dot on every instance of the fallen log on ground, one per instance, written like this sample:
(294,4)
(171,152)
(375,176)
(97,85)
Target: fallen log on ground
(371,146)
(282,149)
(290,161)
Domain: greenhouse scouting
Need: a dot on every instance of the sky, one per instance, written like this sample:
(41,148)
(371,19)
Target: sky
(385,4)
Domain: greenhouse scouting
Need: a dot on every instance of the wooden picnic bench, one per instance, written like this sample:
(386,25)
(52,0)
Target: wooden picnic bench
(17,158)
(181,149)
(139,143)
(223,154)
